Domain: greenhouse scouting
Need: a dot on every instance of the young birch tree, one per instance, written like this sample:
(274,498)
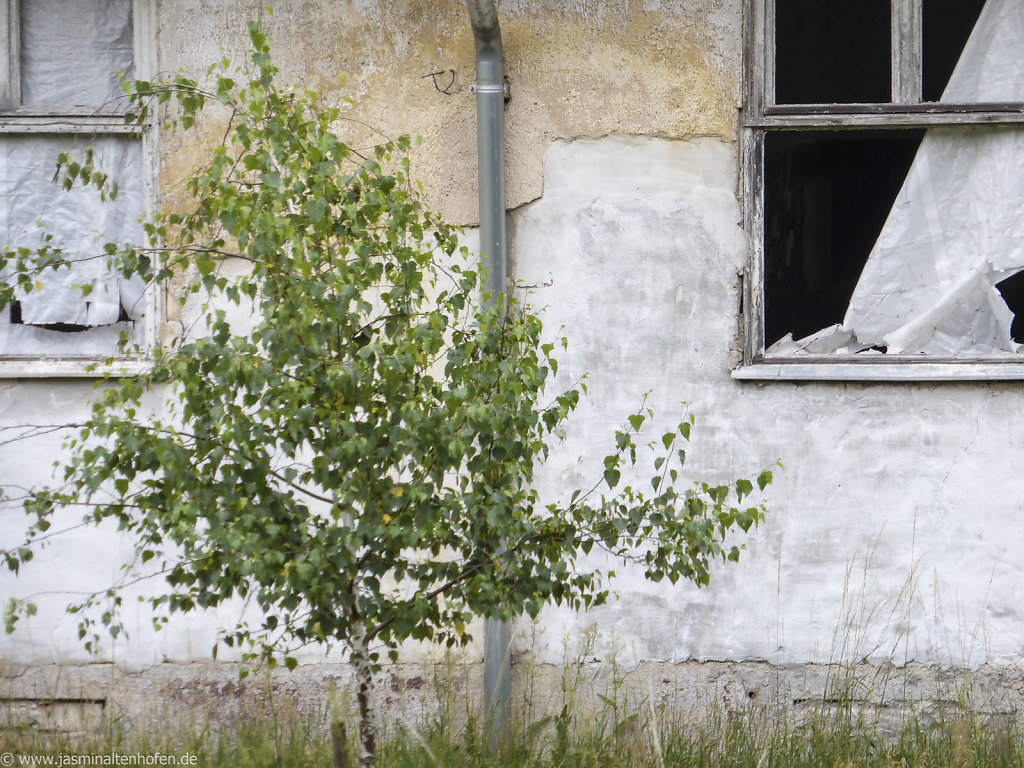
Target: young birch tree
(359,459)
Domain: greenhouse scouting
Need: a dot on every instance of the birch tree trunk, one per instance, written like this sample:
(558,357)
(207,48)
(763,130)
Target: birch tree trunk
(364,697)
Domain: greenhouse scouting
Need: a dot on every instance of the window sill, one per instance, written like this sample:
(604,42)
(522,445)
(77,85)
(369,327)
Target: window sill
(891,370)
(72,367)
(65,123)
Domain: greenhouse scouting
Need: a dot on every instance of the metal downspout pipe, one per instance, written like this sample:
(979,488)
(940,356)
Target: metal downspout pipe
(490,106)
(490,100)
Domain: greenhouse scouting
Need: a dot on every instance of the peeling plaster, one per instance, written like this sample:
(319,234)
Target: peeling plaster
(634,248)
(579,69)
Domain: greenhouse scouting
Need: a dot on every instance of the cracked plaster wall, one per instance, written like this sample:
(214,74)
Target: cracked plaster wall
(577,69)
(895,528)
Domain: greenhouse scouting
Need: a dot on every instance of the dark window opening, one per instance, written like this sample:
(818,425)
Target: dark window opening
(1012,291)
(946,26)
(832,52)
(16,318)
(827,195)
(64,327)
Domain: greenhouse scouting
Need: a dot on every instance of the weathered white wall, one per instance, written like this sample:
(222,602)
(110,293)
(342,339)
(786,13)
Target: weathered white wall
(896,526)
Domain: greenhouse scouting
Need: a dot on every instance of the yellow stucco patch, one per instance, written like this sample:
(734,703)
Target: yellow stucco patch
(577,69)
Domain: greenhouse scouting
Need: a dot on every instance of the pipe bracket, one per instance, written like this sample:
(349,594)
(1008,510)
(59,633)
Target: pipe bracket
(490,88)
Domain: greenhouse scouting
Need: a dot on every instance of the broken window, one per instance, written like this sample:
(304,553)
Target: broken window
(59,92)
(884,147)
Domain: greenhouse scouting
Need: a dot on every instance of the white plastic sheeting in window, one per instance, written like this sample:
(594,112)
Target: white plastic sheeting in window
(72,52)
(81,224)
(956,228)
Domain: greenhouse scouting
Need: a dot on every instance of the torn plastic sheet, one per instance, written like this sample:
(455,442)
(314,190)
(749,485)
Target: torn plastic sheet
(956,228)
(90,342)
(72,52)
(832,340)
(80,224)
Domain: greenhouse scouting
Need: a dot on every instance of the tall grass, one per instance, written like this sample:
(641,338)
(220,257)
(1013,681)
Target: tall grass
(613,733)
(857,714)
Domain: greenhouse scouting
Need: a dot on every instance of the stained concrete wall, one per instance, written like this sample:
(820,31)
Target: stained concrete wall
(577,69)
(895,528)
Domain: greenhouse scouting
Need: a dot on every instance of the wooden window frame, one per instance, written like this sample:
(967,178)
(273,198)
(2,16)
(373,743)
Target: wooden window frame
(760,115)
(18,119)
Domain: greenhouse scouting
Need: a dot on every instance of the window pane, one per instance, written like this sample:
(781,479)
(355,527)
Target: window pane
(991,68)
(938,273)
(832,52)
(80,224)
(930,285)
(72,52)
(827,195)
(947,25)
